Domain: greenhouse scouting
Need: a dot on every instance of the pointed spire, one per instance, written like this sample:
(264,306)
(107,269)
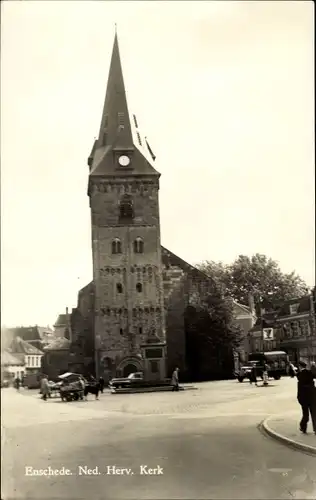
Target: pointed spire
(115,129)
(118,134)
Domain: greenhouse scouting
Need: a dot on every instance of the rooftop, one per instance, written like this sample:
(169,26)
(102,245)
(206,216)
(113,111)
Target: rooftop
(20,346)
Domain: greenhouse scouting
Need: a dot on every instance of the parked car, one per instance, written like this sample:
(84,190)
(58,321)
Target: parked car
(245,371)
(133,380)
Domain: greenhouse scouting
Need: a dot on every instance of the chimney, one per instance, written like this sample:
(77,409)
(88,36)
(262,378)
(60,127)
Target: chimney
(251,302)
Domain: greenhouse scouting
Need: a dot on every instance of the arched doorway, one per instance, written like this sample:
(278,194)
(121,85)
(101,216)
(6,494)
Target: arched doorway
(130,368)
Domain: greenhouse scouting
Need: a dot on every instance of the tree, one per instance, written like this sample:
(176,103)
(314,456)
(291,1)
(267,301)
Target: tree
(258,276)
(211,337)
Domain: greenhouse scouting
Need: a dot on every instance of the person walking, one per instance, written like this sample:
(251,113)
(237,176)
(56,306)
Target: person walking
(17,383)
(82,386)
(44,388)
(101,384)
(265,375)
(292,370)
(253,375)
(306,396)
(175,380)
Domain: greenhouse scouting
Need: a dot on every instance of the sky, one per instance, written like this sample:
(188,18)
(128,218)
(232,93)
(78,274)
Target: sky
(224,91)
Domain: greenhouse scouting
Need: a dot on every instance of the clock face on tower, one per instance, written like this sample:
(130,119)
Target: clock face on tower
(124,160)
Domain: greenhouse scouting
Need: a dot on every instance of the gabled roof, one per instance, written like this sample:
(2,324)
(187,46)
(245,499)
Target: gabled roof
(242,309)
(119,131)
(59,343)
(304,305)
(7,359)
(19,346)
(27,333)
(270,317)
(171,259)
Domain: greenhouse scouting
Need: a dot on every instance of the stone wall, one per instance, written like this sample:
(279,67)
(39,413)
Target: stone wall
(129,299)
(82,349)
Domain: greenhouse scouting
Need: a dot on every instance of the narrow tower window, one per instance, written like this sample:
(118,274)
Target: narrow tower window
(116,246)
(119,288)
(121,331)
(126,208)
(139,287)
(139,245)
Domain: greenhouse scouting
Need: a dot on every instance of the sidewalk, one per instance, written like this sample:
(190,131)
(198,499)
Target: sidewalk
(285,428)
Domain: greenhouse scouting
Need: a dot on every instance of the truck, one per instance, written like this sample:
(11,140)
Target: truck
(277,362)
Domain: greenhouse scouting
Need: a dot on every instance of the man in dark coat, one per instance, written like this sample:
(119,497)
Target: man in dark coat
(253,375)
(306,396)
(101,384)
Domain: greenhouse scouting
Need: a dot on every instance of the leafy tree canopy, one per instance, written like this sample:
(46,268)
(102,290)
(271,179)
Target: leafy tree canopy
(213,325)
(258,276)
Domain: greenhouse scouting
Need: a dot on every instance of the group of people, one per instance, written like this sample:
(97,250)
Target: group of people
(89,386)
(253,375)
(92,386)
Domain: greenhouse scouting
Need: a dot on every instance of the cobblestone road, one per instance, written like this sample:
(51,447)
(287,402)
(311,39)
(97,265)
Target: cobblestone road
(206,441)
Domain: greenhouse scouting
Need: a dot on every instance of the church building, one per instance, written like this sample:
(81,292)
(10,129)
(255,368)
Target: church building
(131,316)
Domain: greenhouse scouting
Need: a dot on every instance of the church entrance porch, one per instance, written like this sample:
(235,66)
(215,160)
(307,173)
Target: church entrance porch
(128,369)
(129,365)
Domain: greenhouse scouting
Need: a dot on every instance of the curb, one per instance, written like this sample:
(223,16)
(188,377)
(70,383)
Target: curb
(144,390)
(285,440)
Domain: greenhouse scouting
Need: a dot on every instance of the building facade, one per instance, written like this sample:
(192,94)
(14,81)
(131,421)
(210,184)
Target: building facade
(28,354)
(294,328)
(11,366)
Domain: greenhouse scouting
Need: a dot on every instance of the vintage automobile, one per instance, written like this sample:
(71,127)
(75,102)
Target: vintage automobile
(70,388)
(245,371)
(5,382)
(133,380)
(277,362)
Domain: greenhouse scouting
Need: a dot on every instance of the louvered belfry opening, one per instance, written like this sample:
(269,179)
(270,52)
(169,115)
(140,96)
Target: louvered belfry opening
(126,210)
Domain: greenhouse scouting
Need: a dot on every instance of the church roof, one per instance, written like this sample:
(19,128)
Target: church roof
(119,131)
(171,259)
(58,343)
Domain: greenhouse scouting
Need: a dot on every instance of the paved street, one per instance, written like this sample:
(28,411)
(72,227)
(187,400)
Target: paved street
(206,441)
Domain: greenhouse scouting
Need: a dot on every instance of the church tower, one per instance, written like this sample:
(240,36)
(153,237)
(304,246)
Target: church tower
(129,317)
